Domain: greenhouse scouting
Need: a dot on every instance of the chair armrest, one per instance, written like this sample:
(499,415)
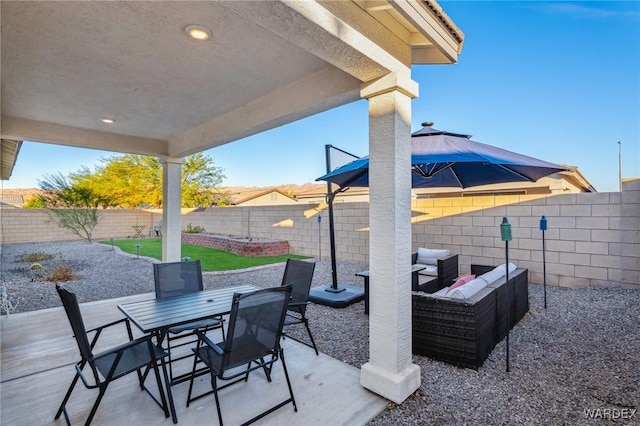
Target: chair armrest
(480,269)
(447,270)
(203,337)
(414,258)
(449,258)
(123,347)
(155,353)
(98,330)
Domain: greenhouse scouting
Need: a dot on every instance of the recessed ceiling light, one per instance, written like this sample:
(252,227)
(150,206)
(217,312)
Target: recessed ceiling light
(197,32)
(107,120)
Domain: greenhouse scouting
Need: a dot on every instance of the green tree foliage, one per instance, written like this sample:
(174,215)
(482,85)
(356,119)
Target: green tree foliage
(34,202)
(133,181)
(127,181)
(200,178)
(73,207)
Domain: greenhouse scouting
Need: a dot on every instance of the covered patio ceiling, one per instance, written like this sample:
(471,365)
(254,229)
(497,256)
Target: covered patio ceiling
(66,66)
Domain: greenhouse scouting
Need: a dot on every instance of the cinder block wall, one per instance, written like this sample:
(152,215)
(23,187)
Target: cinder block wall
(35,225)
(592,238)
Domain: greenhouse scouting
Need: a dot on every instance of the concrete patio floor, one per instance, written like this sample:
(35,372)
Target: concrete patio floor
(38,353)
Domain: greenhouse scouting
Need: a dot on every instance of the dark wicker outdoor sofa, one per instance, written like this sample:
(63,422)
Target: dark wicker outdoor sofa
(463,332)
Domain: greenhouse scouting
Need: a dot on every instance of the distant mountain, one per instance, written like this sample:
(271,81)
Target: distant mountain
(25,192)
(290,188)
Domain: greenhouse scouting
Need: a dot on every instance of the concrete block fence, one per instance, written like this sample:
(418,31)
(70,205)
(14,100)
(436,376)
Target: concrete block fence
(592,238)
(35,225)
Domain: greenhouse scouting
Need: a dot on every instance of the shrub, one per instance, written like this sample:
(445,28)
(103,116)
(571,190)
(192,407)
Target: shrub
(35,266)
(191,229)
(37,256)
(62,273)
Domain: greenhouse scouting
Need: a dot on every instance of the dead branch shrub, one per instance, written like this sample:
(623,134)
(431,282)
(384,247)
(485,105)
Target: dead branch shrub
(62,273)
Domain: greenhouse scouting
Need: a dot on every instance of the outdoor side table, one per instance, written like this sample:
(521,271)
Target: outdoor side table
(365,274)
(137,231)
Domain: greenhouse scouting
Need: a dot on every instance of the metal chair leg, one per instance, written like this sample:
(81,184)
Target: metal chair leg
(103,389)
(67,396)
(313,342)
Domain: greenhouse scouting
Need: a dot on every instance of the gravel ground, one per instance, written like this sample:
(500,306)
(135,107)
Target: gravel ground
(580,354)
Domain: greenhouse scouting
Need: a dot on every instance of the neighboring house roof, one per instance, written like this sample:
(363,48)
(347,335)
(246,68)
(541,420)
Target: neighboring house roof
(263,197)
(11,200)
(320,191)
(15,199)
(575,176)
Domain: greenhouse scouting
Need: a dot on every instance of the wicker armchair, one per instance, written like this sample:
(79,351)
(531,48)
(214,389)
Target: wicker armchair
(447,273)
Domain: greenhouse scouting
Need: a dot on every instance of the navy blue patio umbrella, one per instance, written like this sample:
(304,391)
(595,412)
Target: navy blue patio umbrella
(445,159)
(438,159)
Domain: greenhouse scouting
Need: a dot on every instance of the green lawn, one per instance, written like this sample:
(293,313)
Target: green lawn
(211,259)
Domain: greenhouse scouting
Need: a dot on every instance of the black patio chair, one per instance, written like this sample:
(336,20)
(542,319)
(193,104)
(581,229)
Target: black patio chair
(175,279)
(253,340)
(299,274)
(112,364)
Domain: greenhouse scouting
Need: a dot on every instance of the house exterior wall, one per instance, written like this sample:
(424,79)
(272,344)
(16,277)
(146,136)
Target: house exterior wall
(591,239)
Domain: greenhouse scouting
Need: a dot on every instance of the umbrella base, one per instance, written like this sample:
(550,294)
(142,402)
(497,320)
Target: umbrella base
(341,297)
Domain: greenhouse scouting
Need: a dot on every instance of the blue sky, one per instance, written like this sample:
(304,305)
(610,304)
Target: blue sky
(559,81)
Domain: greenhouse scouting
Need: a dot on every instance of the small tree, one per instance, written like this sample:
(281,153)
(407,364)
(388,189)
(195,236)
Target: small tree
(73,207)
(133,181)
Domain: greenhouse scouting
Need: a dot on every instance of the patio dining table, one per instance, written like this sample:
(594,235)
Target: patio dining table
(157,316)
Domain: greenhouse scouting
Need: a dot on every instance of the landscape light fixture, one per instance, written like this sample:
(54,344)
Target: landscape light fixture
(107,120)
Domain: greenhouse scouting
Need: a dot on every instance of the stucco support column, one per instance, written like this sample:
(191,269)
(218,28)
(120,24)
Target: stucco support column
(390,372)
(171,203)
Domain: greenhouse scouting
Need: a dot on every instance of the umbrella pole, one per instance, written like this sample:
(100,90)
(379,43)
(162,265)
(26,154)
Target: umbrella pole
(332,245)
(332,238)
(334,295)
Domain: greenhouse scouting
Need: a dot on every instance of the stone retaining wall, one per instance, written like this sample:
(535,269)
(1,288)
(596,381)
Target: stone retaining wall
(242,247)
